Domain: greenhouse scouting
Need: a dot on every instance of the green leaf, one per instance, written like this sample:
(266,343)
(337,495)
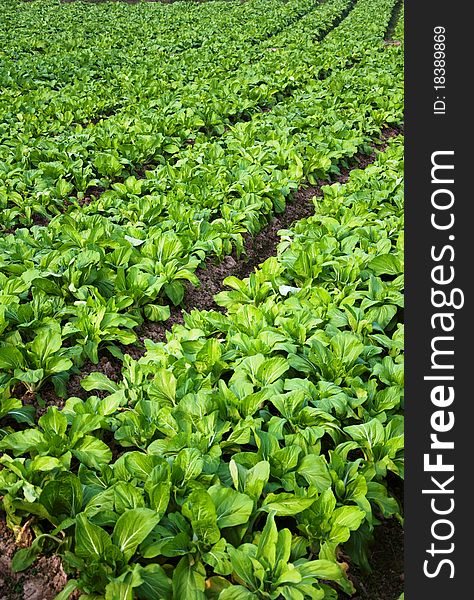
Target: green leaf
(92,452)
(371,433)
(156,584)
(68,589)
(316,472)
(256,478)
(286,504)
(21,414)
(283,546)
(272,369)
(236,592)
(11,358)
(164,385)
(25,557)
(187,466)
(218,558)
(45,463)
(119,590)
(91,540)
(157,312)
(377,492)
(22,441)
(327,570)
(160,495)
(243,568)
(175,292)
(386,264)
(232,508)
(56,364)
(215,586)
(47,342)
(132,528)
(98,381)
(267,545)
(171,148)
(189,580)
(127,496)
(200,510)
(348,516)
(53,421)
(347,347)
(140,465)
(62,497)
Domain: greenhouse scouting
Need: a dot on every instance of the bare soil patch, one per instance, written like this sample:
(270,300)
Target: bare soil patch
(42,581)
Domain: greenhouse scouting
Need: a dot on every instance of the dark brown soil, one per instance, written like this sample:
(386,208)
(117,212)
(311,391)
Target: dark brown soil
(42,581)
(91,194)
(108,365)
(155,331)
(393,23)
(43,399)
(39,220)
(386,582)
(211,276)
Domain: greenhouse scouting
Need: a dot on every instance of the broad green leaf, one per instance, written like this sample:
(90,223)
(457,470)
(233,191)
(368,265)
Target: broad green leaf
(201,512)
(266,550)
(47,342)
(243,567)
(232,508)
(98,381)
(157,312)
(91,540)
(236,592)
(326,570)
(132,528)
(189,580)
(164,385)
(22,442)
(11,358)
(187,466)
(348,516)
(347,347)
(53,421)
(386,264)
(256,478)
(272,369)
(119,590)
(156,585)
(315,470)
(62,497)
(92,452)
(159,495)
(286,504)
(127,496)
(218,558)
(370,433)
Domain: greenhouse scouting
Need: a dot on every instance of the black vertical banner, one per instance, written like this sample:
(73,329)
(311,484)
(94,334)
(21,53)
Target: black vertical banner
(439,267)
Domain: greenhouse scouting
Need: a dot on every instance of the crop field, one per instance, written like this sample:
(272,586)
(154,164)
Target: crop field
(201,300)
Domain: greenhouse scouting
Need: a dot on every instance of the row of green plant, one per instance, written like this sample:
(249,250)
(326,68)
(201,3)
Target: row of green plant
(43,173)
(128,58)
(246,455)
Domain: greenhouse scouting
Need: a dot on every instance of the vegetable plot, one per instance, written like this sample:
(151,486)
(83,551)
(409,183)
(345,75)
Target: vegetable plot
(253,453)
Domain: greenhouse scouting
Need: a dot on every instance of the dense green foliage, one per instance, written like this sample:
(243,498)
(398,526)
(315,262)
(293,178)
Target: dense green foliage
(235,459)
